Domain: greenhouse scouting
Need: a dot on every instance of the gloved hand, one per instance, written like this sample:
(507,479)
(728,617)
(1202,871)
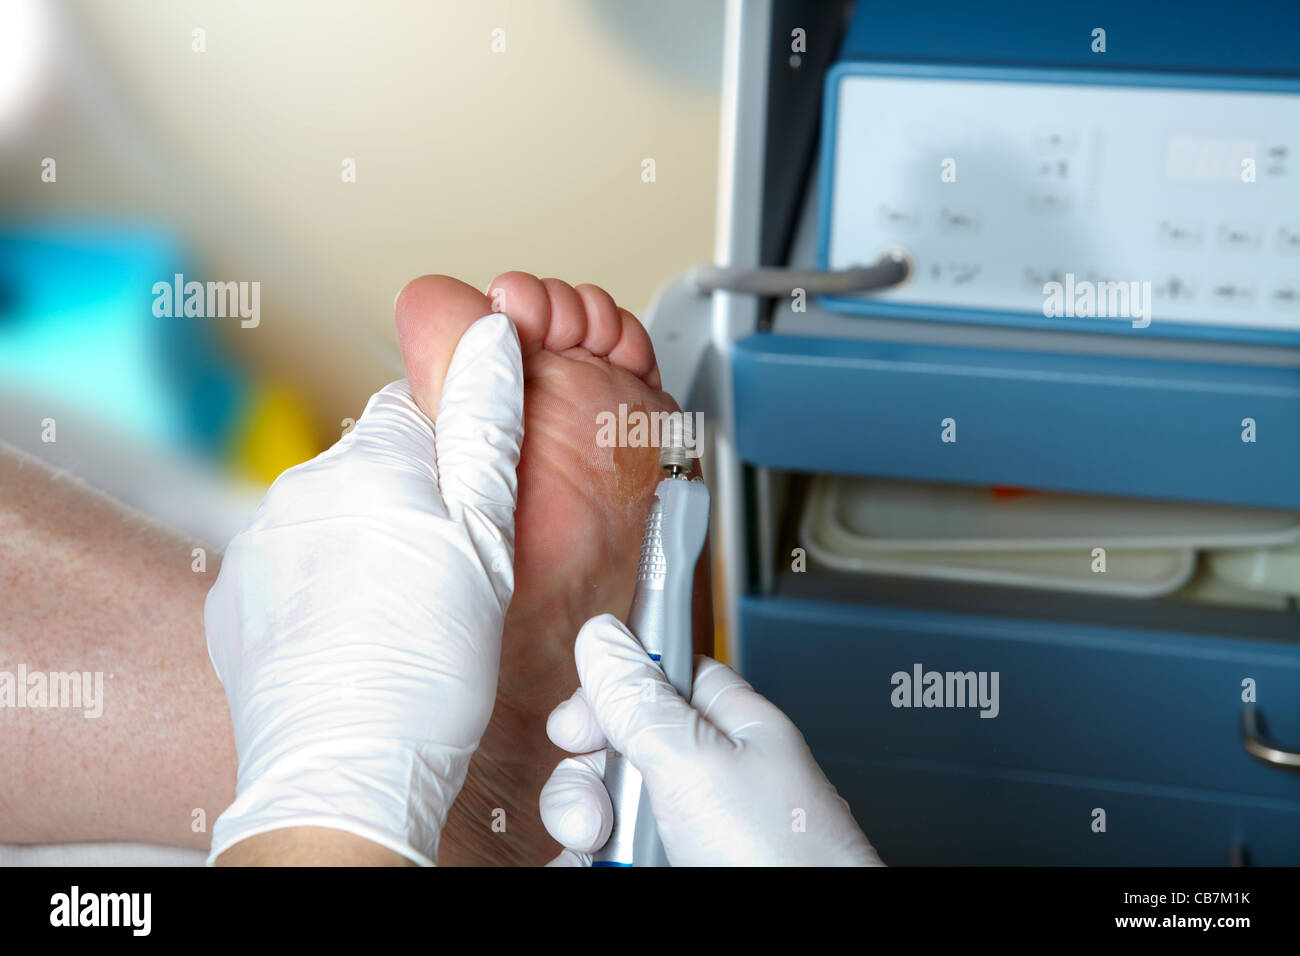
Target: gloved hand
(356,624)
(730,779)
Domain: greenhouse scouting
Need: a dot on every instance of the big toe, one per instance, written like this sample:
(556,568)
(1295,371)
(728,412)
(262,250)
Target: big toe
(432,313)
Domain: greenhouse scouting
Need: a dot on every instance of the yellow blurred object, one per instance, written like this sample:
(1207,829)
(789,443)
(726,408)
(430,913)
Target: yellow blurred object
(275,434)
(721,644)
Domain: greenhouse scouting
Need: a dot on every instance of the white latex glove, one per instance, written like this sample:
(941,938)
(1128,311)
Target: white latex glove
(356,624)
(730,779)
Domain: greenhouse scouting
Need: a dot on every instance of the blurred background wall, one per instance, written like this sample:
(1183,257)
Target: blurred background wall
(468,161)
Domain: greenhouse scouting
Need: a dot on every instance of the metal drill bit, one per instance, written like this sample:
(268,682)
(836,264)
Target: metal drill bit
(676,440)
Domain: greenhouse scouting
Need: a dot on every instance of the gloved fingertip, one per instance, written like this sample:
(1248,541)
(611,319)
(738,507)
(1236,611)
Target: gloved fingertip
(569,858)
(578,826)
(480,422)
(558,729)
(493,333)
(485,380)
(603,628)
(572,726)
(574,804)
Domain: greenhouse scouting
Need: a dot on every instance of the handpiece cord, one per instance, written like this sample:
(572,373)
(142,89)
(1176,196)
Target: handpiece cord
(891,269)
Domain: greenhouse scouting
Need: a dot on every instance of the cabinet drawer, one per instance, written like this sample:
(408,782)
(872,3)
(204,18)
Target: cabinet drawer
(1045,420)
(925,817)
(1093,701)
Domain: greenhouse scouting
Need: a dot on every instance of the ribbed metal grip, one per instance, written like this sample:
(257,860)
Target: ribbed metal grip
(653,567)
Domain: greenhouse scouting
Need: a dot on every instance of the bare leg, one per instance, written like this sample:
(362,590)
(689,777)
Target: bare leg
(86,586)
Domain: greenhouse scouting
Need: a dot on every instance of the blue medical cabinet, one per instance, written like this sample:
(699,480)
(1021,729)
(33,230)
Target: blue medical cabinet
(1003,148)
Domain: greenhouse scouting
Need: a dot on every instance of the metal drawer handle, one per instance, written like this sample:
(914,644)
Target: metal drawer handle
(1257,746)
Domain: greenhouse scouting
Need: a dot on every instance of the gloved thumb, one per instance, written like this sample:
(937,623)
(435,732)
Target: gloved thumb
(480,424)
(639,711)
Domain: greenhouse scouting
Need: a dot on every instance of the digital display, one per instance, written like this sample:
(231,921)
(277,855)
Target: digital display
(1195,191)
(1191,159)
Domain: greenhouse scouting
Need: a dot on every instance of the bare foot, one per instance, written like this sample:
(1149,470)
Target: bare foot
(578,522)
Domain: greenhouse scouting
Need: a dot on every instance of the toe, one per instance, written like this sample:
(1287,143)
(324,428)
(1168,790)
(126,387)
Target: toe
(568,316)
(553,315)
(604,326)
(525,299)
(633,351)
(432,312)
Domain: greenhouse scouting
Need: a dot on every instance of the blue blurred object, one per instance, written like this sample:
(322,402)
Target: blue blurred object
(1193,36)
(77,325)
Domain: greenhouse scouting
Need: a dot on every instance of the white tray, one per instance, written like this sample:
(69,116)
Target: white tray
(1144,573)
(1268,571)
(1206,587)
(866,514)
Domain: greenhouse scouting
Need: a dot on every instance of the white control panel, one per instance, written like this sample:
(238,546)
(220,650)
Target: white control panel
(997,188)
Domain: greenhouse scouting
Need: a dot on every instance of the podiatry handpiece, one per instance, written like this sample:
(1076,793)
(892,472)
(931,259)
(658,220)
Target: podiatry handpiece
(660,618)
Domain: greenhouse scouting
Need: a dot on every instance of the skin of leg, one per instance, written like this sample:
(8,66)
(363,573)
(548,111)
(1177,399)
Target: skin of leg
(87,586)
(579,518)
